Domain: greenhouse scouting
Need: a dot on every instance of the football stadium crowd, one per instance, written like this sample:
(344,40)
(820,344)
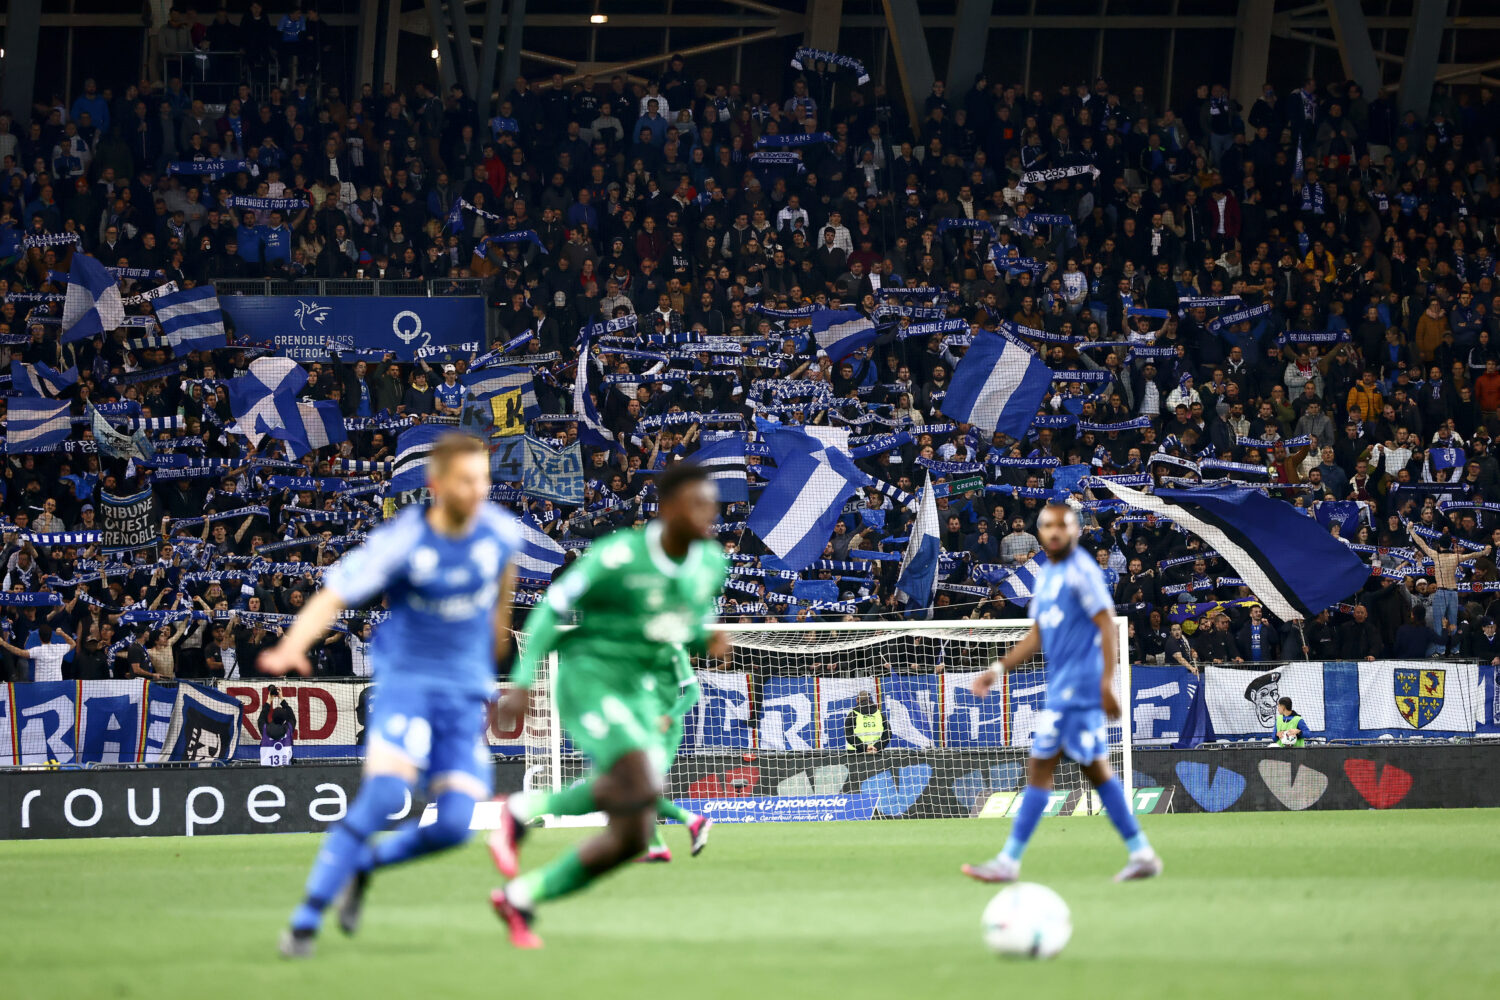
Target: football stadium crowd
(1296,292)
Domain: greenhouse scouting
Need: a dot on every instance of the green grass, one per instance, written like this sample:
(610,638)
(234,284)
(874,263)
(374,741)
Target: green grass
(1332,904)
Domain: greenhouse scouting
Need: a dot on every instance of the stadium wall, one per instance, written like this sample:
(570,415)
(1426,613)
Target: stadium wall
(50,804)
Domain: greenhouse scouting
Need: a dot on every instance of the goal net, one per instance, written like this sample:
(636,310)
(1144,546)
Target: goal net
(783,731)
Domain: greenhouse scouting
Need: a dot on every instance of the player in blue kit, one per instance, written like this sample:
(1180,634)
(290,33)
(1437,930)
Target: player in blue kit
(1072,617)
(447,576)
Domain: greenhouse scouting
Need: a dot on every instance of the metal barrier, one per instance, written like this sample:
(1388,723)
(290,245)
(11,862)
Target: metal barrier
(349,286)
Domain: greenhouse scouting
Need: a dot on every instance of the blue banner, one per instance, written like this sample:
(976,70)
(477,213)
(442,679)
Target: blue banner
(409,327)
(910,706)
(115,722)
(787,716)
(1159,702)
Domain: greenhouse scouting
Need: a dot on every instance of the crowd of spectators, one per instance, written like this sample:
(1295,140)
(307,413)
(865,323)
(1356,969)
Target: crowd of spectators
(1299,293)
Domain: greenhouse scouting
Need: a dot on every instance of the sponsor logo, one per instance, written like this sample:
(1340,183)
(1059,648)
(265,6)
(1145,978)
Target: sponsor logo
(1419,694)
(1149,800)
(407,326)
(189,802)
(896,793)
(1213,792)
(311,312)
(784,808)
(1294,786)
(1381,787)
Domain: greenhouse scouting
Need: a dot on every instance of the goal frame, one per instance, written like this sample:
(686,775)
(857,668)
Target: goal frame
(1017,626)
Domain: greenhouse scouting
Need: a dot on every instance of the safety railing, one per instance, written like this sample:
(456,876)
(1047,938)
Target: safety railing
(349,286)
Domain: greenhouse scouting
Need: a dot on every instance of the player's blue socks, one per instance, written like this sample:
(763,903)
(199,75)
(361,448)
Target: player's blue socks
(344,851)
(448,829)
(1033,804)
(1112,794)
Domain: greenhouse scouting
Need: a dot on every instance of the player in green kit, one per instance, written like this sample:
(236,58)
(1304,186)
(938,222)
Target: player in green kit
(639,595)
(688,692)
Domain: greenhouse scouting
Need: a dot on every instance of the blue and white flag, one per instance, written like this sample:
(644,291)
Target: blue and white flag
(412,449)
(805,496)
(539,555)
(841,332)
(997,386)
(265,400)
(190,320)
(919,568)
(725,460)
(33,424)
(317,425)
(591,430)
(40,380)
(92,304)
(490,382)
(1016,588)
(1290,563)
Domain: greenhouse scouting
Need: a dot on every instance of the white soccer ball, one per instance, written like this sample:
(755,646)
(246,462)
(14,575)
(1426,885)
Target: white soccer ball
(1027,920)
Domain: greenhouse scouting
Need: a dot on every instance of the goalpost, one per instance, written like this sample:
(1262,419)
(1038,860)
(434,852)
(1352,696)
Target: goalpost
(767,741)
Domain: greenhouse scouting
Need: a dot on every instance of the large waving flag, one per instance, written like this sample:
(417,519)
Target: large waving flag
(487,383)
(265,400)
(841,332)
(1016,588)
(726,460)
(36,424)
(591,430)
(317,425)
(40,380)
(997,385)
(1289,561)
(190,320)
(919,568)
(412,449)
(539,555)
(92,304)
(796,513)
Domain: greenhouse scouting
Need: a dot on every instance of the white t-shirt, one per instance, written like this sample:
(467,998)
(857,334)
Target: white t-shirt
(47,660)
(359,656)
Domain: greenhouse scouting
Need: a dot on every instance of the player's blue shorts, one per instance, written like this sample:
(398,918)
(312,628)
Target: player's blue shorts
(1078,732)
(440,730)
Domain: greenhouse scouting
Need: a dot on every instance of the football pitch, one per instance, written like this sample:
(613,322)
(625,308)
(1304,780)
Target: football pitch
(1330,904)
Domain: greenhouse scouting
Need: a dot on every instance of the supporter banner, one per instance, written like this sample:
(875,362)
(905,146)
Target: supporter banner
(554,474)
(1159,702)
(1344,701)
(127,521)
(408,326)
(330,717)
(114,722)
(1438,698)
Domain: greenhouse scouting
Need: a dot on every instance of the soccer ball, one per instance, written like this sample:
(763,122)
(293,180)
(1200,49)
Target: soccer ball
(1027,920)
(1287,738)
